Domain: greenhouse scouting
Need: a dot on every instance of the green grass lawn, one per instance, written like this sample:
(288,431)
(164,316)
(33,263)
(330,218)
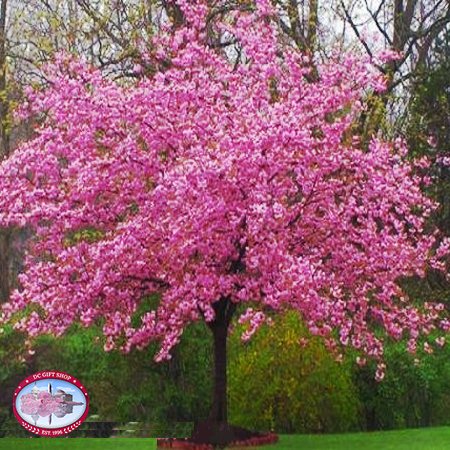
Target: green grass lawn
(80,443)
(417,439)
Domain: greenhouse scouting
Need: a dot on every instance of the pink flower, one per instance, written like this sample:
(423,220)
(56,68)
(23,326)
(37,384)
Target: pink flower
(379,375)
(303,342)
(387,55)
(432,142)
(360,361)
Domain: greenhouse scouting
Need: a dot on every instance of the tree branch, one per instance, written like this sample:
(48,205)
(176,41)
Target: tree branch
(355,29)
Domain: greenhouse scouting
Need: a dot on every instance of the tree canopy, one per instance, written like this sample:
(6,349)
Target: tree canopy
(216,184)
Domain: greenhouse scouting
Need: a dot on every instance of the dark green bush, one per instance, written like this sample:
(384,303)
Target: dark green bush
(413,394)
(133,387)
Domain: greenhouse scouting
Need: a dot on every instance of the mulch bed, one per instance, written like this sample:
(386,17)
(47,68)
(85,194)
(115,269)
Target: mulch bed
(201,440)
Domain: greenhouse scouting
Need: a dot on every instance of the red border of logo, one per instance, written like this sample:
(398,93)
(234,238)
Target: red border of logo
(51,432)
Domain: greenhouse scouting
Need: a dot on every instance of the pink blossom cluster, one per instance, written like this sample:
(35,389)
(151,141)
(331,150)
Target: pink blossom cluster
(30,404)
(256,319)
(42,404)
(444,160)
(214,180)
(387,55)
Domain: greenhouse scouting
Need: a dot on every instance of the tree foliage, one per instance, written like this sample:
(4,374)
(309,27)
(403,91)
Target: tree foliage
(428,125)
(414,393)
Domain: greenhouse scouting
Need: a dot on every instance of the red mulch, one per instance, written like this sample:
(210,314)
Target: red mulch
(231,437)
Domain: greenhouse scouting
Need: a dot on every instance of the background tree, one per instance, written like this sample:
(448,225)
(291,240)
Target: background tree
(407,27)
(427,123)
(414,393)
(4,153)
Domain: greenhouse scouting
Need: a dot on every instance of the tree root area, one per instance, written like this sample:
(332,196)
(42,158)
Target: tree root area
(209,436)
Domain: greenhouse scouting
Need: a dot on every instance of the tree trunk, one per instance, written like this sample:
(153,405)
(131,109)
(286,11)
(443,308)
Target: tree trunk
(216,429)
(219,412)
(312,26)
(224,310)
(5,234)
(4,107)
(5,251)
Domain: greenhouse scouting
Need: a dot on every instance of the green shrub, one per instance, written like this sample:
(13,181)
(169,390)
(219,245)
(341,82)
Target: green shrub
(12,373)
(413,394)
(274,383)
(134,387)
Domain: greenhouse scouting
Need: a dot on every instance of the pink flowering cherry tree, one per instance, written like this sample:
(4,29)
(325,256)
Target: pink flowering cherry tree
(43,404)
(217,183)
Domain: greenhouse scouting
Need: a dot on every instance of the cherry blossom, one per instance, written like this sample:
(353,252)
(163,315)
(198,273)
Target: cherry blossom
(217,183)
(43,404)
